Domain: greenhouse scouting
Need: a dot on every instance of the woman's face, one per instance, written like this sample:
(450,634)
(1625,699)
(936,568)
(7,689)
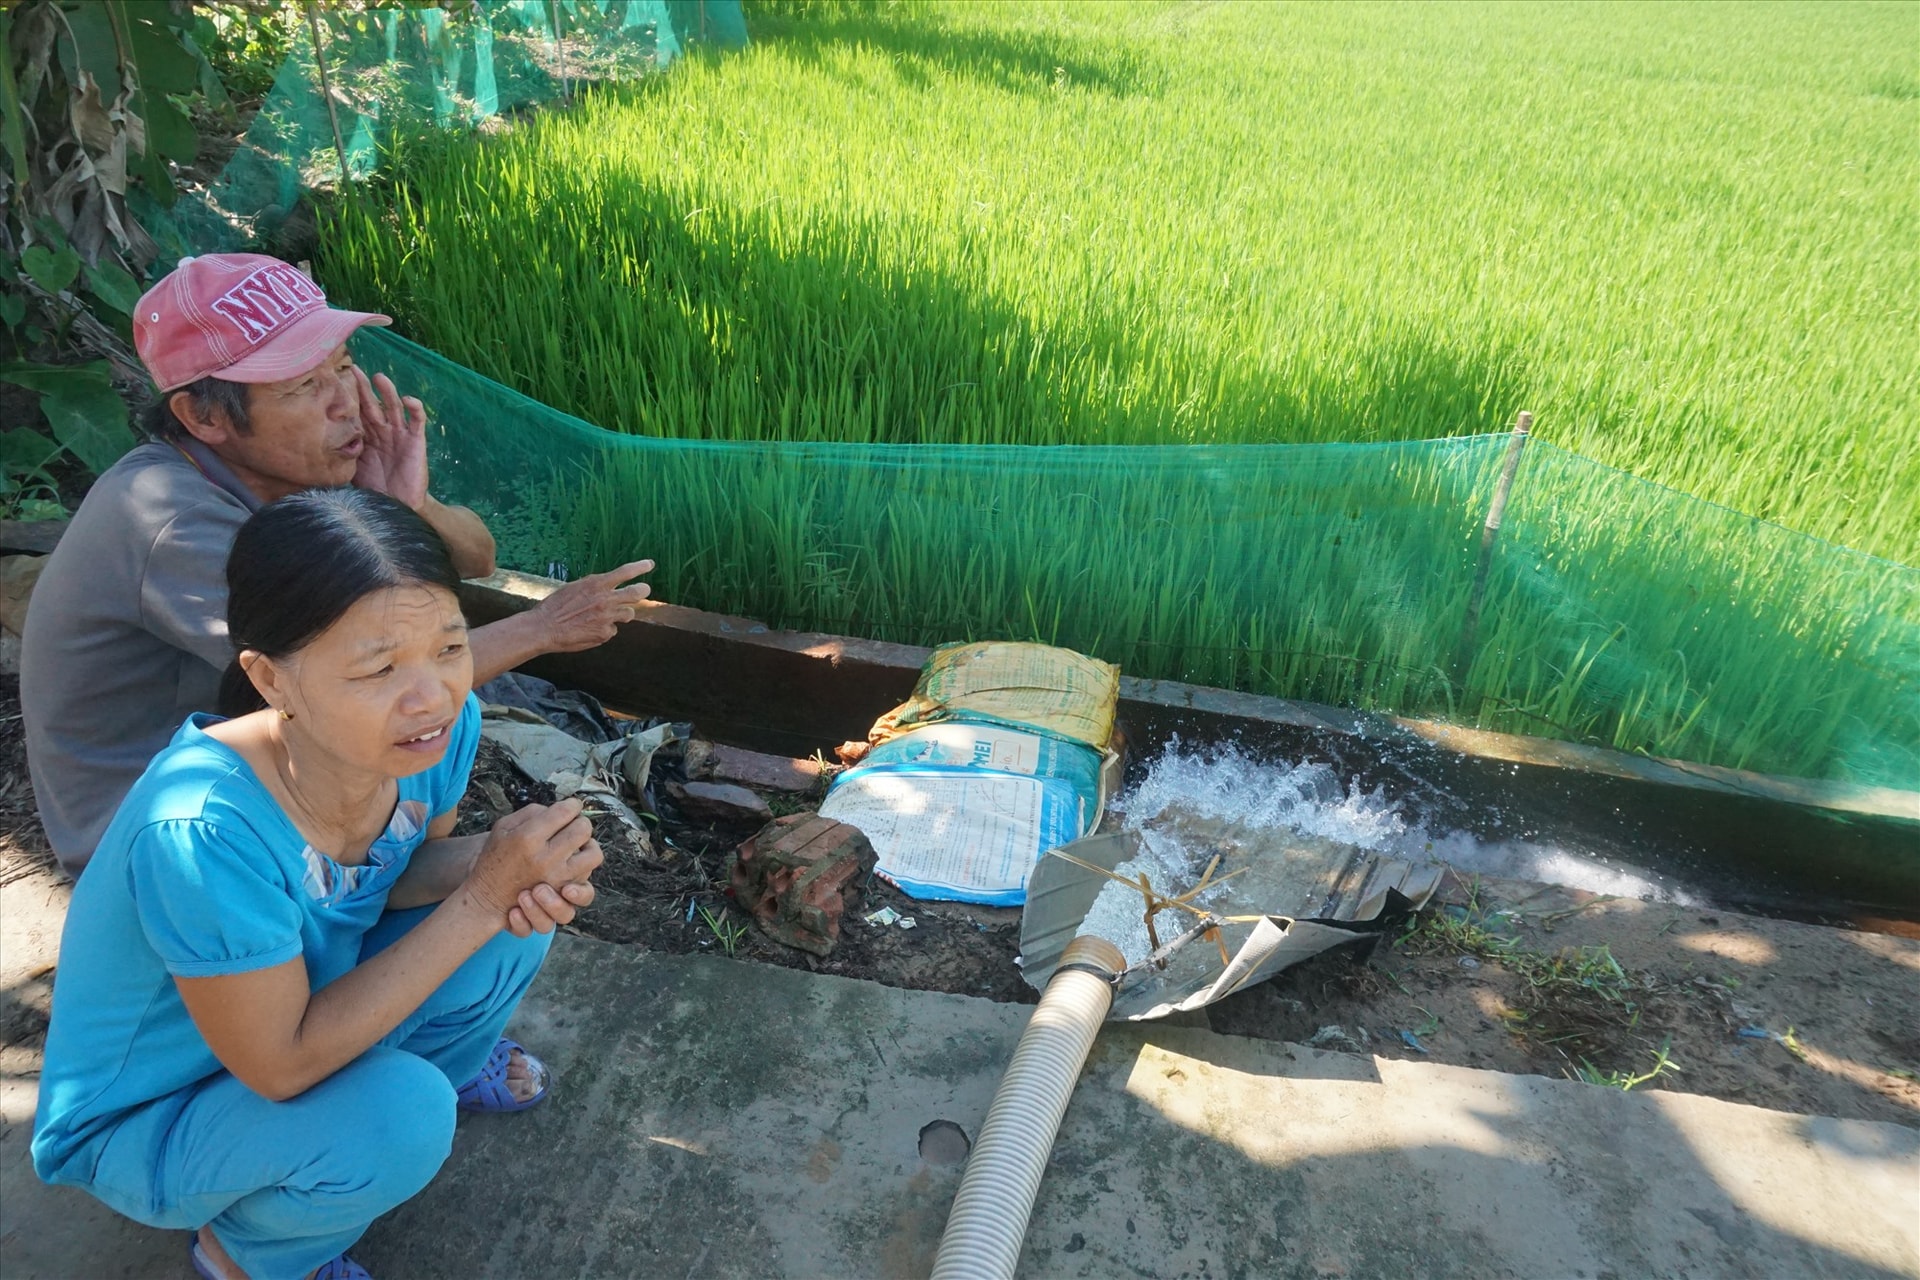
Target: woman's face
(381,688)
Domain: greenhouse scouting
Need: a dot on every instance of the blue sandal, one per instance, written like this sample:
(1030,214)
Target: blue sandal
(489,1091)
(340,1268)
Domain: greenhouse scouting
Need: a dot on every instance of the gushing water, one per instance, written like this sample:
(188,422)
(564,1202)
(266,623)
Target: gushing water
(1225,783)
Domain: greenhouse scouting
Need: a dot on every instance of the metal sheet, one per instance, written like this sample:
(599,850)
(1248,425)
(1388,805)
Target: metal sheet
(1309,894)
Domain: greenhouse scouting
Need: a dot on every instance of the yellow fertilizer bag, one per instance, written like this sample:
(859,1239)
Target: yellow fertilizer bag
(1016,685)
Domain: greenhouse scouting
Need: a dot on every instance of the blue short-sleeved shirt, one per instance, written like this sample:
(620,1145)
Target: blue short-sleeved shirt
(201,873)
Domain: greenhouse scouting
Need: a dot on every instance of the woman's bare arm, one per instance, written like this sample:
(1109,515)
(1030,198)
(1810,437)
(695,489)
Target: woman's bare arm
(437,867)
(279,1038)
(435,873)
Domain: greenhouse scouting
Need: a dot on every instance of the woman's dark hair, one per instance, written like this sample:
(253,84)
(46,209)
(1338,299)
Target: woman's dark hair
(299,564)
(208,395)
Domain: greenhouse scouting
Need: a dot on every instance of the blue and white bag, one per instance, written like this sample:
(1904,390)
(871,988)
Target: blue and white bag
(963,811)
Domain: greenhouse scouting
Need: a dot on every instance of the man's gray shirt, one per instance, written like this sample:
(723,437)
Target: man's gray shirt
(126,633)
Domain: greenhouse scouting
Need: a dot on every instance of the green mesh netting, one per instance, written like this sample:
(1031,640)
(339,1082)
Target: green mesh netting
(393,72)
(1616,611)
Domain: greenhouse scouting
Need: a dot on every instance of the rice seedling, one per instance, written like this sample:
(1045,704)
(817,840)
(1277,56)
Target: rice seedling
(724,931)
(827,292)
(1626,1081)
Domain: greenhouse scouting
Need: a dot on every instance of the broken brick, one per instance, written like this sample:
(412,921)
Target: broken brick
(794,876)
(719,804)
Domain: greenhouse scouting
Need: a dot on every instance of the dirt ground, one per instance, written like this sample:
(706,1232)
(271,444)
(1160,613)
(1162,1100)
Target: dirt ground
(25,862)
(654,896)
(1501,975)
(1539,980)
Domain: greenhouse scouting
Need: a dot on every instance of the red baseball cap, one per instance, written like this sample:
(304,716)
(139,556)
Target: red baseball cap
(243,317)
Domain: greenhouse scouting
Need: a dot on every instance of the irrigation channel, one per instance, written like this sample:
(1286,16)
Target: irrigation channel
(1485,803)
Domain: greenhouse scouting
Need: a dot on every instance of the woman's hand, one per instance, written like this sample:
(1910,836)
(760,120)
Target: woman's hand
(544,907)
(538,847)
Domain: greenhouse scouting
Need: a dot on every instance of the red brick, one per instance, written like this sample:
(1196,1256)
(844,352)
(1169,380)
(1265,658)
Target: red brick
(795,875)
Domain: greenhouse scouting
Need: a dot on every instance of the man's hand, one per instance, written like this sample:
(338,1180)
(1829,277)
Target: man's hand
(394,461)
(586,612)
(578,616)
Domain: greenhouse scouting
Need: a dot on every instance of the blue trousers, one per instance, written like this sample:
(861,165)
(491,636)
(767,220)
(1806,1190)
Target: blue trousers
(288,1185)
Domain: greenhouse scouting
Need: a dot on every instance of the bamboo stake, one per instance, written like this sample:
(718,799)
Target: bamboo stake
(560,49)
(1463,656)
(1146,891)
(1180,902)
(1207,881)
(326,90)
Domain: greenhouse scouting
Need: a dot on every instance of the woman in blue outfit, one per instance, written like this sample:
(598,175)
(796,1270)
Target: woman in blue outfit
(280,978)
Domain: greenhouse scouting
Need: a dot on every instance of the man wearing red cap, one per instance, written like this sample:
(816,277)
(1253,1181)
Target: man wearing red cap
(127,635)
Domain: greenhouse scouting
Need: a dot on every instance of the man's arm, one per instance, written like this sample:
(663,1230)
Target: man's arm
(578,616)
(465,534)
(183,591)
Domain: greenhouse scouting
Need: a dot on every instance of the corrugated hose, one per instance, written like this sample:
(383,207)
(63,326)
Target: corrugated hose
(988,1222)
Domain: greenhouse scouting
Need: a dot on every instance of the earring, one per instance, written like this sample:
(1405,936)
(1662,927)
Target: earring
(285,714)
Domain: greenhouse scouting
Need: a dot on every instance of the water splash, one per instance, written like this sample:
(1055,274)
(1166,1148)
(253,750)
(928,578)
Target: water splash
(1225,783)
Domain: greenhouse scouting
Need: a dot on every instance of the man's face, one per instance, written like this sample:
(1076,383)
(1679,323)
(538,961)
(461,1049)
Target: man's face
(305,432)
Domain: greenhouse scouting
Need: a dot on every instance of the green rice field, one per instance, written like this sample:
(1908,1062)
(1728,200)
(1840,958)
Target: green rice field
(1684,237)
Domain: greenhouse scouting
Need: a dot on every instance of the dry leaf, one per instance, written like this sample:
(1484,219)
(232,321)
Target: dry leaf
(112,167)
(37,33)
(89,116)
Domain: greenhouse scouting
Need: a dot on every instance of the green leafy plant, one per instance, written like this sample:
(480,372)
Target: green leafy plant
(27,491)
(244,45)
(86,414)
(91,109)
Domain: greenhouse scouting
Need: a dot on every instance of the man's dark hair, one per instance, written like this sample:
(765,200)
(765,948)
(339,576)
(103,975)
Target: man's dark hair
(299,564)
(209,395)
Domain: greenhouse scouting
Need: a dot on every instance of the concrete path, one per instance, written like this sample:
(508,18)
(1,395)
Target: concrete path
(714,1118)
